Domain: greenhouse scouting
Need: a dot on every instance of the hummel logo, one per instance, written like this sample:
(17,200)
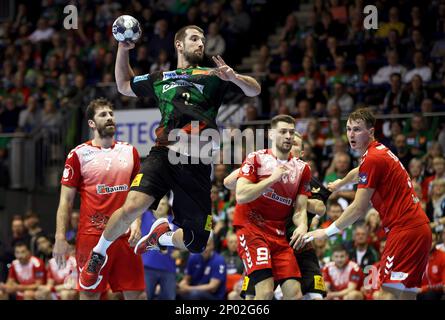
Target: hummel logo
(315,190)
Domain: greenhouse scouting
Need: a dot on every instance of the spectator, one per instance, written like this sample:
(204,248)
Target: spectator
(71,233)
(343,277)
(433,281)
(18,231)
(26,274)
(304,112)
(61,283)
(437,170)
(435,208)
(32,225)
(205,276)
(333,212)
(417,44)
(393,23)
(375,229)
(363,254)
(9,116)
(287,76)
(401,150)
(308,72)
(215,43)
(383,74)
(418,136)
(341,98)
(291,32)
(395,98)
(31,117)
(340,166)
(359,79)
(43,32)
(416,170)
(162,63)
(44,248)
(419,69)
(234,263)
(283,97)
(338,74)
(161,40)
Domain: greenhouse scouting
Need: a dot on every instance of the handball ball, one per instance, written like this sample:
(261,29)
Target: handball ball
(126,28)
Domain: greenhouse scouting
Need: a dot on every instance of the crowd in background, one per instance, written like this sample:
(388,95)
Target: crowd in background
(318,73)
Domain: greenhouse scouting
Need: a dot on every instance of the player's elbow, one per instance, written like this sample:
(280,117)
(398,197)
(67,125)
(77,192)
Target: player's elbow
(123,87)
(241,197)
(229,184)
(255,91)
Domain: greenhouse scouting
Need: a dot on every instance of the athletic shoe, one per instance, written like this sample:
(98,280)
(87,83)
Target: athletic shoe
(151,240)
(90,274)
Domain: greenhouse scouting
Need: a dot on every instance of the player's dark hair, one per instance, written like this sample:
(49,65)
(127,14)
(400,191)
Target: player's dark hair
(96,104)
(281,118)
(364,114)
(21,244)
(339,248)
(180,35)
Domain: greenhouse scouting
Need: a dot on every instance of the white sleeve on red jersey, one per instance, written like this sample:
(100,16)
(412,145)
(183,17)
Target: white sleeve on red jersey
(356,275)
(326,276)
(249,168)
(370,172)
(136,163)
(12,273)
(305,183)
(71,172)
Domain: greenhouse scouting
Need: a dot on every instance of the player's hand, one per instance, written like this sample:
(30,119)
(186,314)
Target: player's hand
(126,45)
(333,186)
(278,172)
(313,235)
(59,252)
(135,233)
(296,240)
(222,70)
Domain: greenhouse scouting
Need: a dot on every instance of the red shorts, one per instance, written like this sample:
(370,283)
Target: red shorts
(405,256)
(260,250)
(123,271)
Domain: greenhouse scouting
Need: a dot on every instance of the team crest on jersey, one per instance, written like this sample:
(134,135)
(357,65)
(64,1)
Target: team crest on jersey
(362,178)
(68,173)
(104,189)
(247,169)
(173,75)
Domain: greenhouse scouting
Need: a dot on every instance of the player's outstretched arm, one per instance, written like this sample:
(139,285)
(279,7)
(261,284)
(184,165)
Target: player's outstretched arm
(351,214)
(249,85)
(230,180)
(316,206)
(247,191)
(351,177)
(67,195)
(122,70)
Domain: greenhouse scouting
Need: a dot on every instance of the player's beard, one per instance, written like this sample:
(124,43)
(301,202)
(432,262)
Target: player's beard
(284,148)
(193,58)
(107,131)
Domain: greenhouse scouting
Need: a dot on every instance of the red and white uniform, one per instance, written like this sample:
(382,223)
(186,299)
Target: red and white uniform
(260,224)
(434,278)
(408,234)
(338,279)
(27,274)
(67,276)
(103,178)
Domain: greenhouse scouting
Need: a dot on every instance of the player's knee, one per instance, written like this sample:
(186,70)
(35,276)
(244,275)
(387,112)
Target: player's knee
(194,241)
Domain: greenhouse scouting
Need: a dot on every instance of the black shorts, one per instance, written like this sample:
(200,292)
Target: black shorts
(190,184)
(311,277)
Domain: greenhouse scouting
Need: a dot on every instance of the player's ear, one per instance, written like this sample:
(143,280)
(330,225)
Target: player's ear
(271,133)
(178,45)
(371,131)
(301,154)
(91,124)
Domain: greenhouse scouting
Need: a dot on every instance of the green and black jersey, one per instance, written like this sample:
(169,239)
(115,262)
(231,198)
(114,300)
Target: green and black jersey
(319,192)
(182,96)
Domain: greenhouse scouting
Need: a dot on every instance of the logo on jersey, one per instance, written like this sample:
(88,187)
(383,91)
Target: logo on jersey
(362,178)
(68,173)
(173,75)
(247,169)
(209,224)
(182,83)
(141,78)
(319,283)
(104,189)
(315,190)
(270,194)
(199,71)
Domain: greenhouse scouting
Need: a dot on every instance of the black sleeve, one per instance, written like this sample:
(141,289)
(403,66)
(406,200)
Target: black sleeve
(142,85)
(319,191)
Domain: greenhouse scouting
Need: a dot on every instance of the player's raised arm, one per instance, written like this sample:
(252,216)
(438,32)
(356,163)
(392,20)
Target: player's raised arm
(249,85)
(230,180)
(66,201)
(122,69)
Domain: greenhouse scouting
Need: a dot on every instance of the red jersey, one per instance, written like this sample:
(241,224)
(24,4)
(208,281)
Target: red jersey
(339,279)
(394,197)
(435,270)
(60,275)
(103,178)
(27,273)
(273,207)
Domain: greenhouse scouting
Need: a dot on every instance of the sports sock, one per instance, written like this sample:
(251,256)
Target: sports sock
(102,246)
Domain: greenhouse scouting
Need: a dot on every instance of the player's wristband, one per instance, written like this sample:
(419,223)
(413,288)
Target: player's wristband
(331,230)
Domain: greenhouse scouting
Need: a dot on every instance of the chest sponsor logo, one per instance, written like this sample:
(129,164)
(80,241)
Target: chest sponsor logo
(104,189)
(141,78)
(182,83)
(270,194)
(173,75)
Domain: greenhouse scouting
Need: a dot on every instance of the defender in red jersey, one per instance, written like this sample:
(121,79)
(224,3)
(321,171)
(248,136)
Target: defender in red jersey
(270,183)
(383,181)
(101,170)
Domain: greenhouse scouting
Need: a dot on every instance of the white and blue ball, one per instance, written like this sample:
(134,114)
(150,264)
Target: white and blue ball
(126,28)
